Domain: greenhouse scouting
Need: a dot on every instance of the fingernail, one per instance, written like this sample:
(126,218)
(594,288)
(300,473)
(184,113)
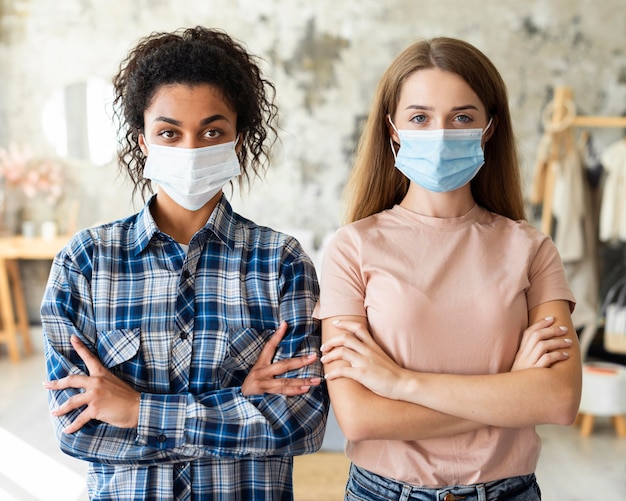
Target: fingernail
(549,319)
(568,340)
(311,356)
(563,328)
(323,359)
(322,348)
(316,380)
(335,322)
(565,354)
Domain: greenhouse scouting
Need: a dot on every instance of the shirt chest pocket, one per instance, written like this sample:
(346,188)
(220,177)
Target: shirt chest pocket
(119,352)
(244,348)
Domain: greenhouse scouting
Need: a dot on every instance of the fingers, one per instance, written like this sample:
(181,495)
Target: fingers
(91,361)
(72,403)
(551,358)
(263,377)
(269,350)
(542,345)
(347,339)
(356,328)
(81,420)
(282,386)
(72,381)
(344,353)
(291,386)
(290,364)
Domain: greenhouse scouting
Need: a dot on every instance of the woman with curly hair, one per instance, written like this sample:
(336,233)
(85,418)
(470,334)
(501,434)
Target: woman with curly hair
(180,343)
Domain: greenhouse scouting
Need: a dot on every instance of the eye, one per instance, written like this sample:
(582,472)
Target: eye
(167,134)
(418,119)
(213,133)
(464,119)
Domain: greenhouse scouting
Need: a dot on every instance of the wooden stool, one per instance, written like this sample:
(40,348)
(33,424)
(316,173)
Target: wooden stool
(13,315)
(603,394)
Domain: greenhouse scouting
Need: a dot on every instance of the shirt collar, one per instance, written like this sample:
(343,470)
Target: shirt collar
(221,223)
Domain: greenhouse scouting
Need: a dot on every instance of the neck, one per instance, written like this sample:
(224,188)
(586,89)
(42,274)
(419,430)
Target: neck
(177,222)
(442,205)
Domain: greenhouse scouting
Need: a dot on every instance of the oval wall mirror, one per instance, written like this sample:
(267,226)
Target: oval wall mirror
(77,120)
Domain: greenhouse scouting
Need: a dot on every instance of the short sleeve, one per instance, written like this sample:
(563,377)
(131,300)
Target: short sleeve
(547,277)
(342,284)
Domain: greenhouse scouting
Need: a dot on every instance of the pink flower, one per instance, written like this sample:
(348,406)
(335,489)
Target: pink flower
(13,163)
(35,176)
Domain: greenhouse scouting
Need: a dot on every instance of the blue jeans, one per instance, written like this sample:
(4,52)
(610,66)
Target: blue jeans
(364,485)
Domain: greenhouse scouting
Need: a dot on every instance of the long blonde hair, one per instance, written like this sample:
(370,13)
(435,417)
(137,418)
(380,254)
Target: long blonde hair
(375,184)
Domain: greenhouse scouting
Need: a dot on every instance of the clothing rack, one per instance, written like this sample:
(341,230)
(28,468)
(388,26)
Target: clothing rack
(560,119)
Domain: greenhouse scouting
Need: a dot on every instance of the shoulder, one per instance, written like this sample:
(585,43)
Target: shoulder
(514,228)
(101,238)
(364,230)
(519,238)
(266,241)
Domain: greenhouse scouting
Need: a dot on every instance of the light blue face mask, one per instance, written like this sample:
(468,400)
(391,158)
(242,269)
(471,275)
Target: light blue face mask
(440,160)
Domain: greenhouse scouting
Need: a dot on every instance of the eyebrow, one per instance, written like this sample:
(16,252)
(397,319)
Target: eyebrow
(430,108)
(204,121)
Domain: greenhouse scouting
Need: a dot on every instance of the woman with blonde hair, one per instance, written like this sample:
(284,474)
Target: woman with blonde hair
(445,315)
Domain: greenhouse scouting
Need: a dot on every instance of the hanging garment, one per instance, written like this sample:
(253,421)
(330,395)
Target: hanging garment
(568,206)
(613,208)
(575,229)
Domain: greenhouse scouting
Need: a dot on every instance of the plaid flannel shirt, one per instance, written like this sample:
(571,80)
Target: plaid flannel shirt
(184,329)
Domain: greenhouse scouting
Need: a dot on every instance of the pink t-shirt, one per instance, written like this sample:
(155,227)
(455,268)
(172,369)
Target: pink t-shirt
(448,296)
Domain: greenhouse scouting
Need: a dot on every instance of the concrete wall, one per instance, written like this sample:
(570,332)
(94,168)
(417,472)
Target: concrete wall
(325,57)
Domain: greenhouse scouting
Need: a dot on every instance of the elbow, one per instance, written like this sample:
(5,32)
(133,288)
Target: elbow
(309,432)
(67,444)
(355,426)
(566,411)
(354,433)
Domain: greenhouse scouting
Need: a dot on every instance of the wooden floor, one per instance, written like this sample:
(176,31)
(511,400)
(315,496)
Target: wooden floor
(320,477)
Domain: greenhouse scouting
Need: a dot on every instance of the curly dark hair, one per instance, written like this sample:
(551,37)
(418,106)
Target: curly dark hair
(194,56)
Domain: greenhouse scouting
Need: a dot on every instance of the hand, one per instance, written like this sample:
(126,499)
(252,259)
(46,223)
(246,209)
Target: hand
(367,363)
(542,346)
(262,377)
(105,396)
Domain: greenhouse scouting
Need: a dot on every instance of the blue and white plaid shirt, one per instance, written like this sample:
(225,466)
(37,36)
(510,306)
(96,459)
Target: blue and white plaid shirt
(185,329)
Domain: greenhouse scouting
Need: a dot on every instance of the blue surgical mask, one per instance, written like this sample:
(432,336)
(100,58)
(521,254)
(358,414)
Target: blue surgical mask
(440,160)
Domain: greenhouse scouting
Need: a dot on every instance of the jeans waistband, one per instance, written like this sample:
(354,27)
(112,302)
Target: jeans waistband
(363,484)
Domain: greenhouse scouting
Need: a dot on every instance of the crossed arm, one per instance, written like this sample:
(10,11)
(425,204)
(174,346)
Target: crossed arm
(543,386)
(109,399)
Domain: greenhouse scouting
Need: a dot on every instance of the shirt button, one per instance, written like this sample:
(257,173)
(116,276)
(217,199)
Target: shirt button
(161,438)
(182,466)
(449,497)
(184,335)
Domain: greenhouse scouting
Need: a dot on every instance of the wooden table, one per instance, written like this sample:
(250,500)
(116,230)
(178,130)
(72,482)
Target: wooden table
(13,315)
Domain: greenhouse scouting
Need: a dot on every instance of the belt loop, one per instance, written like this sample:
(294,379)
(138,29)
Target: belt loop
(406,493)
(482,493)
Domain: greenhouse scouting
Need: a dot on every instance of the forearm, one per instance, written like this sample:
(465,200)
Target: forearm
(181,429)
(513,399)
(226,423)
(363,415)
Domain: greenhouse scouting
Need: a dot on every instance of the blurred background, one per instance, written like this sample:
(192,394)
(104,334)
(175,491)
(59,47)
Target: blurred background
(325,57)
(57,165)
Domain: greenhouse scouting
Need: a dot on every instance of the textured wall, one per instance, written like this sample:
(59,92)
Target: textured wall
(325,58)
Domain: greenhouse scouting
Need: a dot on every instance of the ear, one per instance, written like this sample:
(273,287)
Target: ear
(391,129)
(488,135)
(142,144)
